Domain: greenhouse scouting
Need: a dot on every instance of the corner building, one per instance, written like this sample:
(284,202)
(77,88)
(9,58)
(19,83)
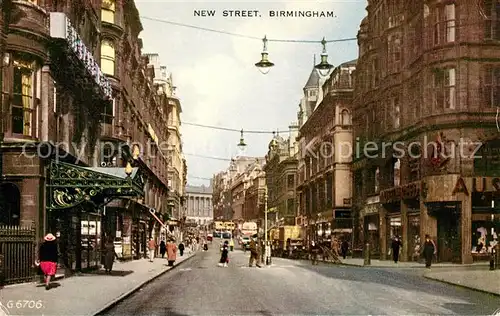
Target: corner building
(428,77)
(76,94)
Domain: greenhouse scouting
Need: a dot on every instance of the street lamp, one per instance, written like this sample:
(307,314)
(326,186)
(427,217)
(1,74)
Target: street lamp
(264,65)
(242,144)
(324,67)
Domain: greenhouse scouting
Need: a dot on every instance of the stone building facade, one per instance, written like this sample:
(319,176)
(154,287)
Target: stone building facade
(426,94)
(324,176)
(281,173)
(253,209)
(199,204)
(80,122)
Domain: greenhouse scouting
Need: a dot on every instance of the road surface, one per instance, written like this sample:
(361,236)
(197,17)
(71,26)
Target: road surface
(200,287)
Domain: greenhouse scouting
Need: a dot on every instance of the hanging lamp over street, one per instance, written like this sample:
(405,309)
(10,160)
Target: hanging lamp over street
(264,65)
(324,67)
(242,144)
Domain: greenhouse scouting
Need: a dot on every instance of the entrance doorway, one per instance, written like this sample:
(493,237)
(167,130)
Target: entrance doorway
(448,233)
(10,204)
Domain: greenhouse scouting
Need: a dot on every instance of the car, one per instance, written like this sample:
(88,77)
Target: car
(226,235)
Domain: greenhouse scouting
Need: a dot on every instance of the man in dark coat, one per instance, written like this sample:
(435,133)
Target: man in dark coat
(429,250)
(181,249)
(254,253)
(396,245)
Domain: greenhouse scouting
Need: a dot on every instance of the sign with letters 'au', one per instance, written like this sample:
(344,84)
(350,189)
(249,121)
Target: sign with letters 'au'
(480,184)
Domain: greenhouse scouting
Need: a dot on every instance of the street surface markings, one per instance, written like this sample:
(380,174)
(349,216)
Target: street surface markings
(185,269)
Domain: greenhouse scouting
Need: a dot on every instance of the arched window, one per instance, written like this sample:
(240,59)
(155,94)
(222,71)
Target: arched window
(108,9)
(108,57)
(346,119)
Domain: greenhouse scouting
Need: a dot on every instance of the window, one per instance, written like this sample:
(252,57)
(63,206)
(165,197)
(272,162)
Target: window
(346,119)
(22,98)
(491,86)
(394,53)
(491,14)
(396,112)
(108,57)
(108,112)
(108,9)
(444,28)
(291,181)
(444,88)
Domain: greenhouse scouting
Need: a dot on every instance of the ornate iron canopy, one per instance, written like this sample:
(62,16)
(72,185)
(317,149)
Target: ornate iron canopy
(70,185)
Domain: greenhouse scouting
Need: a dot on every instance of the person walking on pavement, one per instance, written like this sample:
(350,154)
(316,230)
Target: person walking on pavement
(396,246)
(171,253)
(344,248)
(314,253)
(109,254)
(254,254)
(181,249)
(152,248)
(429,250)
(224,257)
(48,258)
(163,248)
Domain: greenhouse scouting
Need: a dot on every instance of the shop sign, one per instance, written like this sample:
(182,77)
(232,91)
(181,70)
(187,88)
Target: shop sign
(405,192)
(478,185)
(60,27)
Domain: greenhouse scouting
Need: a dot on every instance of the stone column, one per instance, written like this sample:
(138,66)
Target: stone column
(465,229)
(383,232)
(404,231)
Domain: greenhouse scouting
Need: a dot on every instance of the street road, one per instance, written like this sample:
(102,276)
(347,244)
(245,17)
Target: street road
(200,287)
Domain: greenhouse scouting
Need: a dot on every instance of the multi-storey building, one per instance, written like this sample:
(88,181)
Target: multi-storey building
(253,209)
(172,148)
(324,175)
(78,107)
(221,196)
(228,205)
(281,171)
(199,204)
(426,94)
(243,172)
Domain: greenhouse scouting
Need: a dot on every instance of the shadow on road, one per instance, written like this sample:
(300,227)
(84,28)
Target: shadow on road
(117,273)
(479,302)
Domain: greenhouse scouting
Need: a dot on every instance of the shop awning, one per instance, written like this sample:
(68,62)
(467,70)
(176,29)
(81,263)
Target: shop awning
(70,185)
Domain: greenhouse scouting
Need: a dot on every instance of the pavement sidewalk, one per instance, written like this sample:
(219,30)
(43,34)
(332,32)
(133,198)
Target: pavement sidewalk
(480,280)
(84,294)
(359,262)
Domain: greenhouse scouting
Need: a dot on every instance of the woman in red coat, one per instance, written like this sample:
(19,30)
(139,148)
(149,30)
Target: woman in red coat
(171,252)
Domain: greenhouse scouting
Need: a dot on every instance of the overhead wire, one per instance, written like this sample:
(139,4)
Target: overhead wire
(246,36)
(208,157)
(234,129)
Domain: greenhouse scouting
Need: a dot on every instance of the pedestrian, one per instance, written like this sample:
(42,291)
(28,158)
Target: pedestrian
(171,252)
(254,254)
(205,245)
(314,253)
(224,257)
(152,248)
(396,246)
(429,250)
(163,248)
(344,248)
(109,254)
(231,244)
(48,258)
(181,249)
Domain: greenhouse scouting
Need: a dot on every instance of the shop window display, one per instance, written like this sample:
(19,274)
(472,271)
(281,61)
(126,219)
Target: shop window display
(414,242)
(484,236)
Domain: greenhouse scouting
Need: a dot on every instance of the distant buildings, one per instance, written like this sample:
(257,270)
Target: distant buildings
(199,208)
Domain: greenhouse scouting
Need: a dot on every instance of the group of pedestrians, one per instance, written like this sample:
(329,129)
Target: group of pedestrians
(427,251)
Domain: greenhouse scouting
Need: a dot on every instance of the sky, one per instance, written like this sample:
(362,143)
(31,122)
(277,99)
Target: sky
(217,82)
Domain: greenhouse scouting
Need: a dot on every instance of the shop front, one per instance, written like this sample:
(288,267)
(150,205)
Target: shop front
(400,217)
(76,197)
